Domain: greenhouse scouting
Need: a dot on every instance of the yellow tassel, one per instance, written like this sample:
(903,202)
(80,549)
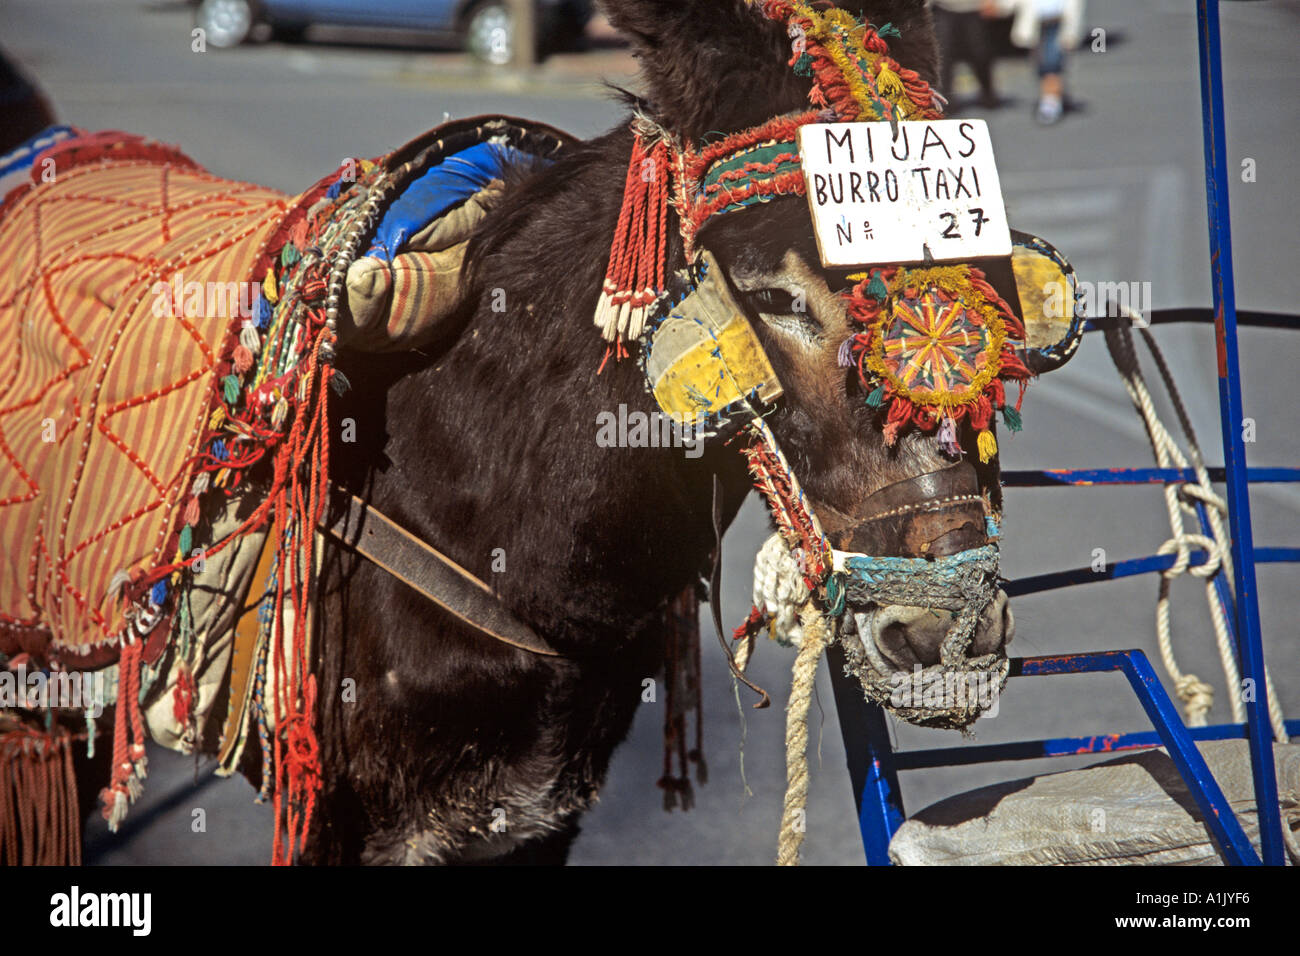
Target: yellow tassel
(887,81)
(366,166)
(268,288)
(987,444)
(225,472)
(217,417)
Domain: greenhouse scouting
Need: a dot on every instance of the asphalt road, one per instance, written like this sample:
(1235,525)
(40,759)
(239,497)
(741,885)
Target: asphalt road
(1117,187)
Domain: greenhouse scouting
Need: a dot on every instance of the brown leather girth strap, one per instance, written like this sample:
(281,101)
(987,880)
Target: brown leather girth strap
(444,582)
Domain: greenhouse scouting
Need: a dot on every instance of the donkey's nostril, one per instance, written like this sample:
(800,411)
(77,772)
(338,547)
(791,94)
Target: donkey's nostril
(910,635)
(906,636)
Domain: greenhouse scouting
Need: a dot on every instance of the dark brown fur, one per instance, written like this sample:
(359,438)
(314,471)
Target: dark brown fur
(489,444)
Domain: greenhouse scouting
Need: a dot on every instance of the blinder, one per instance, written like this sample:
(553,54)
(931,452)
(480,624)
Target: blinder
(702,358)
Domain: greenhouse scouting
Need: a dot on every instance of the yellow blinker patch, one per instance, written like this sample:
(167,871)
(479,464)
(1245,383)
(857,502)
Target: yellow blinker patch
(704,355)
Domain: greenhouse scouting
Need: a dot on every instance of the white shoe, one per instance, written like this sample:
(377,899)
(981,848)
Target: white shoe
(1050,109)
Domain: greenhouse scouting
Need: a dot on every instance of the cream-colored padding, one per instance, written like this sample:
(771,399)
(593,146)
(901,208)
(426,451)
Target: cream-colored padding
(403,303)
(1128,811)
(215,601)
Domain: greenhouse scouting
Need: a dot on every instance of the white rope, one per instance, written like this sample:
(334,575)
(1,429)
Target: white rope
(779,589)
(1196,695)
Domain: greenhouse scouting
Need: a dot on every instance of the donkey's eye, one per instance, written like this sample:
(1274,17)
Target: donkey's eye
(771,301)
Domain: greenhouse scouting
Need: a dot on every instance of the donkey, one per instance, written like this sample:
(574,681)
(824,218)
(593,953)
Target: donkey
(485,448)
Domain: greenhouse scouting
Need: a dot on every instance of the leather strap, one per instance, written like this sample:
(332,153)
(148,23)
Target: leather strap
(423,568)
(931,515)
(715,599)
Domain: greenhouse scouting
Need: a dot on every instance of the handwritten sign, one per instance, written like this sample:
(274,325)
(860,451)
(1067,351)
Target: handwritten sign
(880,198)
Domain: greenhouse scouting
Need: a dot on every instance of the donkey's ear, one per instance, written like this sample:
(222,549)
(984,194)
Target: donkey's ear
(709,65)
(652,24)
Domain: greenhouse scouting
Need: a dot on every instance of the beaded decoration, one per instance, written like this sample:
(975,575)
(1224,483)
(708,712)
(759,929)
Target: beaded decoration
(270,401)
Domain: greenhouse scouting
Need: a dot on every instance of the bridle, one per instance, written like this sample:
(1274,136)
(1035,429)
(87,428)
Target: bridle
(706,368)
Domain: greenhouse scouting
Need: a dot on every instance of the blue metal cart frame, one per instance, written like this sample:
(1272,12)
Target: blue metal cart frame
(873,764)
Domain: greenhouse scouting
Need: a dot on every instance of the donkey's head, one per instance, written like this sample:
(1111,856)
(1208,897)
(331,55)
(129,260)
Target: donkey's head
(907,517)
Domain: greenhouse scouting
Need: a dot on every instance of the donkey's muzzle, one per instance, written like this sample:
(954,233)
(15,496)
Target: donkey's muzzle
(922,601)
(907,636)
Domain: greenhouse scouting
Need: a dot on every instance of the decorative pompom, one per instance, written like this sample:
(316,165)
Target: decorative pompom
(119,580)
(262,311)
(876,288)
(243,361)
(845,355)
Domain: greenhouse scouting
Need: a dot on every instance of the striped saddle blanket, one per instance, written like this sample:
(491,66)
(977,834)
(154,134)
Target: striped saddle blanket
(163,331)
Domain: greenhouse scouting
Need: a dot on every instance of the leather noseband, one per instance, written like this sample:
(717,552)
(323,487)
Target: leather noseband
(936,514)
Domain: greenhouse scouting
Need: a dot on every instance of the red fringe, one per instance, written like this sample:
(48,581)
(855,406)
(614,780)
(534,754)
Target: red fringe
(636,259)
(40,818)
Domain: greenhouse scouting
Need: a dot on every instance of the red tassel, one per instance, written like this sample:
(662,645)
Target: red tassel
(243,360)
(128,756)
(191,516)
(183,696)
(635,277)
(981,413)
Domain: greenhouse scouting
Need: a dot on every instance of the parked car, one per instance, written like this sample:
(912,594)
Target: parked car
(485,27)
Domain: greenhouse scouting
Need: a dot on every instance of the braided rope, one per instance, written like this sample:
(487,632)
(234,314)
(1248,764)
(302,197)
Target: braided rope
(816,635)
